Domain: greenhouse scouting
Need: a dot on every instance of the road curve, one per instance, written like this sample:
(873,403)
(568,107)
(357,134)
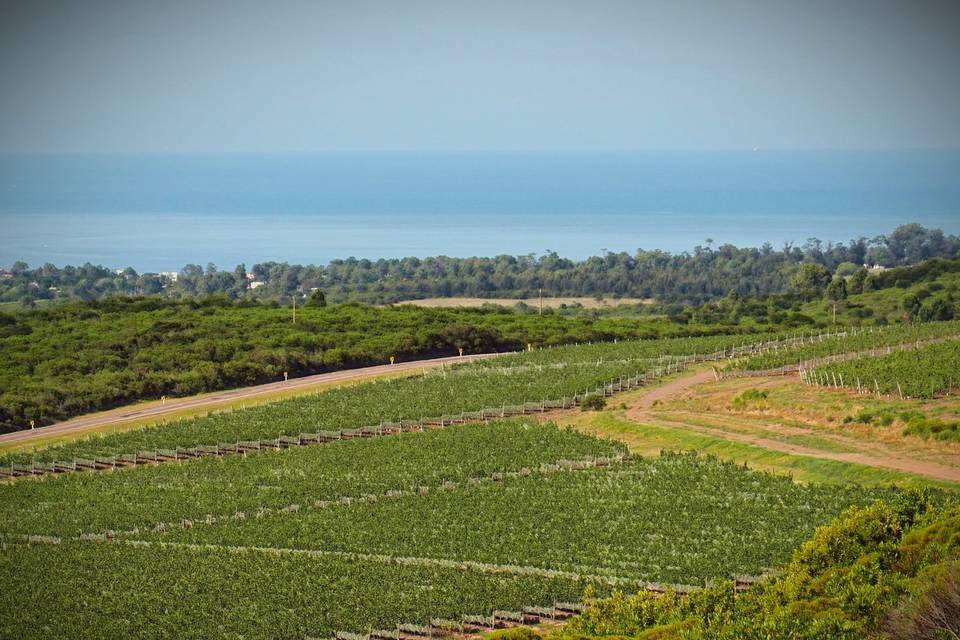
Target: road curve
(174,405)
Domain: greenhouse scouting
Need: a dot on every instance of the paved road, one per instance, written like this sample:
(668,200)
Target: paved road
(174,405)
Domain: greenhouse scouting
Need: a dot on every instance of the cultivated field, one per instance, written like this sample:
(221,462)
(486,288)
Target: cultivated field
(413,506)
(366,534)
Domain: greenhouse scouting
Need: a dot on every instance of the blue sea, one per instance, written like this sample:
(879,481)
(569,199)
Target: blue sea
(159,212)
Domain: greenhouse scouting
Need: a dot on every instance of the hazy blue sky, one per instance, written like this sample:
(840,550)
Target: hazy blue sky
(136,76)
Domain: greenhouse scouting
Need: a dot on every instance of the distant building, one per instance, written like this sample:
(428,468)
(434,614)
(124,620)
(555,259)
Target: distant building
(255,284)
(251,277)
(875,268)
(169,275)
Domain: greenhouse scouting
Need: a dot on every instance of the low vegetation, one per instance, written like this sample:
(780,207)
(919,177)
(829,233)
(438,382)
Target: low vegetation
(364,534)
(593,402)
(749,398)
(272,480)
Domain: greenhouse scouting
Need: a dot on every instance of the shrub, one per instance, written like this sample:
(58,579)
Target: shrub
(750,396)
(516,633)
(933,610)
(593,402)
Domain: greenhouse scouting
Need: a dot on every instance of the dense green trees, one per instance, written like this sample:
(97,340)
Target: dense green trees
(810,279)
(706,273)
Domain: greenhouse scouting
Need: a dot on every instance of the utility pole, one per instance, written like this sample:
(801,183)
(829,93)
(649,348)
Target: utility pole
(541,300)
(294,307)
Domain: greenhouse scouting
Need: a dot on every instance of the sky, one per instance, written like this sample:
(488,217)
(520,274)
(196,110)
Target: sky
(235,76)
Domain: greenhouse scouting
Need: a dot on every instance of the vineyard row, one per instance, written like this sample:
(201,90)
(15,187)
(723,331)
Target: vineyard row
(159,455)
(805,367)
(545,468)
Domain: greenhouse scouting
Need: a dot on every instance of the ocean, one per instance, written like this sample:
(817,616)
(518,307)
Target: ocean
(160,212)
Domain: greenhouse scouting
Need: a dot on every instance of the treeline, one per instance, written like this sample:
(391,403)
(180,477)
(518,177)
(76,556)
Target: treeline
(705,274)
(75,358)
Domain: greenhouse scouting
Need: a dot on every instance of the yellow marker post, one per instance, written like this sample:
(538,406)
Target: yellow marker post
(460,349)
(33,424)
(163,399)
(529,346)
(285,376)
(391,359)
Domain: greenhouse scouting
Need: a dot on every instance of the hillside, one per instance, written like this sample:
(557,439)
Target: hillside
(418,502)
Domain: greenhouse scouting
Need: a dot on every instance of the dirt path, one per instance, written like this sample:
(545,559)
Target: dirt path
(211,400)
(640,411)
(641,407)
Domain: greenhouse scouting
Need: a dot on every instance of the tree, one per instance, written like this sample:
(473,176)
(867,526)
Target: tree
(845,269)
(317,299)
(810,279)
(857,280)
(837,289)
(910,305)
(937,309)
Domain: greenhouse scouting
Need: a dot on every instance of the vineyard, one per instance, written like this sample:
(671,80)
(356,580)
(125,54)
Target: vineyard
(627,520)
(812,346)
(482,519)
(508,381)
(99,590)
(212,487)
(919,373)
(372,533)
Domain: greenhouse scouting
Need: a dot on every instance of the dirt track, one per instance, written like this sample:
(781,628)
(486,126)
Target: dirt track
(211,400)
(640,411)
